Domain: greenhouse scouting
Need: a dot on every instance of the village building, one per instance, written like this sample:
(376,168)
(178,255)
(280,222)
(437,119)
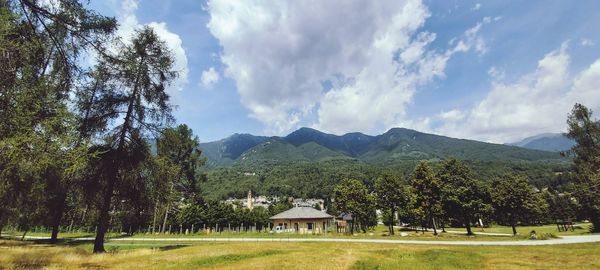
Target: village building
(343,223)
(303,220)
(309,203)
(249,201)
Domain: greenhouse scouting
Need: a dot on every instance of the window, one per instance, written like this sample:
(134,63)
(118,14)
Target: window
(309,226)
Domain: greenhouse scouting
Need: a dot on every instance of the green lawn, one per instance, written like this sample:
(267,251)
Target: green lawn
(379,232)
(26,255)
(582,228)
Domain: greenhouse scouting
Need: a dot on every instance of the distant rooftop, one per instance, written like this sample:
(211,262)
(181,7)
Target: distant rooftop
(301,212)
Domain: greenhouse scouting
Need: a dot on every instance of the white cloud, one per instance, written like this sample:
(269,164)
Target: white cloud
(128,23)
(586,42)
(209,78)
(538,102)
(496,74)
(453,115)
(373,54)
(477,6)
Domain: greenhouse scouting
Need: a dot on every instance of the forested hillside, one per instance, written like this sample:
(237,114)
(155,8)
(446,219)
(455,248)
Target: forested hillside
(397,144)
(317,179)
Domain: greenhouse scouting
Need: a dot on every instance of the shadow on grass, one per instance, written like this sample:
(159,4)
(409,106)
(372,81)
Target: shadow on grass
(171,247)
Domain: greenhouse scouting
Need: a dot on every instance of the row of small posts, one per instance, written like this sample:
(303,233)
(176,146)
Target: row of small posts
(193,229)
(206,229)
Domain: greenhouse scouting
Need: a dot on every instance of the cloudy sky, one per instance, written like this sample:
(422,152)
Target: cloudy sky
(495,71)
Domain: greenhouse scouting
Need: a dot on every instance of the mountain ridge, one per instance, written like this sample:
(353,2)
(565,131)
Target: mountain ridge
(307,144)
(552,142)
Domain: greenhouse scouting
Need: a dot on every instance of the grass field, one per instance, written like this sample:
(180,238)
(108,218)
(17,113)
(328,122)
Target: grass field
(26,255)
(524,230)
(379,232)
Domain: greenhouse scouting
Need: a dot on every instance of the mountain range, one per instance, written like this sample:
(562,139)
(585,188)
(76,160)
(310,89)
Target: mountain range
(397,144)
(553,142)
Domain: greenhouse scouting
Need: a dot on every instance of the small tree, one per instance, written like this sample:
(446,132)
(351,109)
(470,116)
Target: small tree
(561,206)
(352,197)
(464,197)
(515,201)
(390,197)
(586,133)
(427,190)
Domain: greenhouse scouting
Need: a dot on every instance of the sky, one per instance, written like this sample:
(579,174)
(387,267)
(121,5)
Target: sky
(495,71)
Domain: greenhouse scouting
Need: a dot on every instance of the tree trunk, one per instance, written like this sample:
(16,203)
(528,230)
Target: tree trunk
(1,225)
(83,216)
(154,219)
(24,233)
(434,226)
(514,228)
(165,220)
(595,224)
(57,217)
(443,224)
(104,217)
(167,212)
(392,222)
(468,224)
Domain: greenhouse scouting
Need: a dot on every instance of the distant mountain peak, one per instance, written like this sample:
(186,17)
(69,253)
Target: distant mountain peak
(553,142)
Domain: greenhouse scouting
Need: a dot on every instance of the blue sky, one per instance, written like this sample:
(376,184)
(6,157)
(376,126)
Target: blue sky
(495,71)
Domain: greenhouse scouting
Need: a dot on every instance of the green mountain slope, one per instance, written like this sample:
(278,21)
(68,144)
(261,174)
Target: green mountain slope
(397,144)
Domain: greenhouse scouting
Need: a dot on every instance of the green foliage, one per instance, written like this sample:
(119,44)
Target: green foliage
(179,148)
(561,206)
(40,51)
(428,193)
(132,89)
(391,195)
(586,151)
(352,197)
(515,201)
(218,216)
(464,198)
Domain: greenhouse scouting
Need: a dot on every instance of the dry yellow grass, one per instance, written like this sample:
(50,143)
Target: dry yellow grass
(19,255)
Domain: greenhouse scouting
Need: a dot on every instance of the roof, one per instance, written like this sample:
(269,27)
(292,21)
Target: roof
(301,212)
(346,217)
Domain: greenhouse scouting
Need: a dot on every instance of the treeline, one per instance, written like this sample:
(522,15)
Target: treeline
(78,104)
(318,179)
(217,216)
(451,195)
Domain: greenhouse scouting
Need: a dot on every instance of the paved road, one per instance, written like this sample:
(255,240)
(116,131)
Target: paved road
(564,240)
